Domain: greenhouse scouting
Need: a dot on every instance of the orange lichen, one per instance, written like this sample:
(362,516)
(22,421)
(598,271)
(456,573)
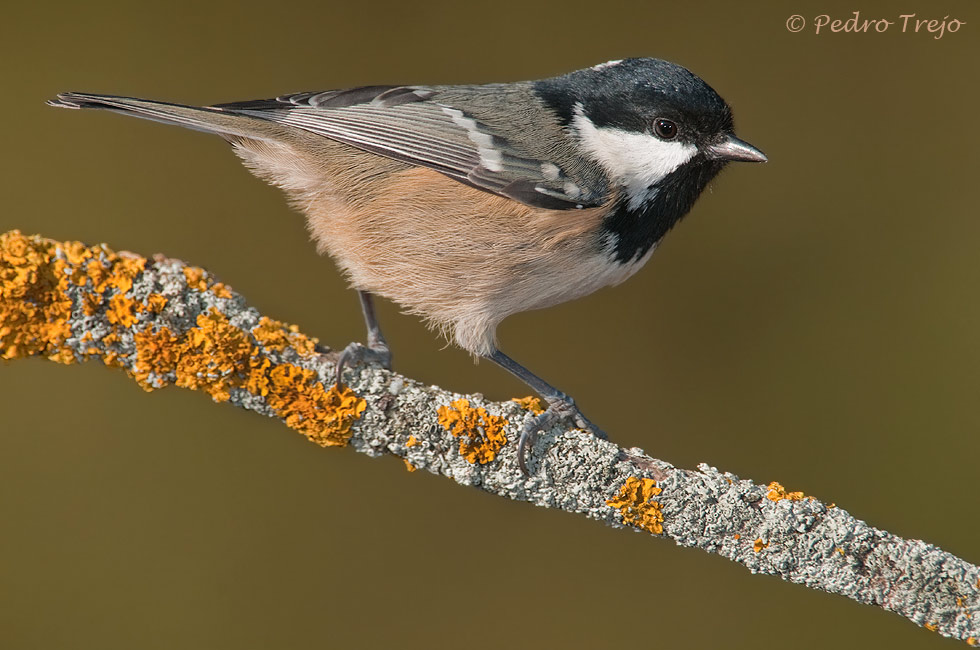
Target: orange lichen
(840,550)
(412,441)
(200,280)
(257,379)
(156,352)
(737,536)
(34,309)
(100,269)
(303,344)
(636,505)
(408,465)
(221,290)
(195,278)
(120,310)
(91,303)
(323,416)
(758,545)
(481,435)
(155,303)
(277,336)
(215,356)
(778,493)
(75,251)
(970,640)
(530,403)
(124,270)
(212,354)
(932,627)
(91,271)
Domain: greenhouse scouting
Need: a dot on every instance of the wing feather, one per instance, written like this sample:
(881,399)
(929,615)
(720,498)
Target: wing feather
(408,123)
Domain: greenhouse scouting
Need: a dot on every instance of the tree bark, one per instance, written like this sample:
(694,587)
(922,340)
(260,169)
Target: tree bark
(164,322)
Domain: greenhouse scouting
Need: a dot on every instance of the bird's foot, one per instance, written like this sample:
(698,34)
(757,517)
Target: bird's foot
(560,409)
(355,354)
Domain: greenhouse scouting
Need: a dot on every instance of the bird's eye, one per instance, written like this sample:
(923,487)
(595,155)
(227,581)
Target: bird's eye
(665,129)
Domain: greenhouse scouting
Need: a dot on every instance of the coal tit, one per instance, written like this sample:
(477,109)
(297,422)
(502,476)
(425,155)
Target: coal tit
(465,204)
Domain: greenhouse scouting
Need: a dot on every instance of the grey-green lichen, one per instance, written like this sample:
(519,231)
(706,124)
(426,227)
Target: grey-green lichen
(167,323)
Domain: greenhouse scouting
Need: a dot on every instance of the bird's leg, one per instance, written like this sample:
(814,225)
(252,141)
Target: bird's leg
(376,352)
(560,406)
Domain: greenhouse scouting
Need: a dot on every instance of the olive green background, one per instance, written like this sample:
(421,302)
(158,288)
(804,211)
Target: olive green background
(814,321)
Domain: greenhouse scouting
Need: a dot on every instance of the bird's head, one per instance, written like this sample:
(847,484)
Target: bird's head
(647,122)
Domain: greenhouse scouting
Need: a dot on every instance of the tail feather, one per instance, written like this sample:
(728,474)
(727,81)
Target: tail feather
(206,119)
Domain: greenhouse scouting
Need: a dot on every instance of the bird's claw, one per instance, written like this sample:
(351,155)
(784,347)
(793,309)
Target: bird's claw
(560,409)
(356,354)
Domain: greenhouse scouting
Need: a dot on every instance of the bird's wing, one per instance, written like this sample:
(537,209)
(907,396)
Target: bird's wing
(408,123)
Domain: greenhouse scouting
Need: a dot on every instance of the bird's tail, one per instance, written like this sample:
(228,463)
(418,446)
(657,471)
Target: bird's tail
(206,118)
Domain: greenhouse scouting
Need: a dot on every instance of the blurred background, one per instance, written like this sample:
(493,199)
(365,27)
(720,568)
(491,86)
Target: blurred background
(813,321)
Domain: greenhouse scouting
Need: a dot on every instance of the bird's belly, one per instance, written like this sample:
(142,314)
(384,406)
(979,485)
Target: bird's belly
(462,258)
(581,273)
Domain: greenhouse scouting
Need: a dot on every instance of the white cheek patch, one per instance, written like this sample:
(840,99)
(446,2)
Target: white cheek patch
(637,160)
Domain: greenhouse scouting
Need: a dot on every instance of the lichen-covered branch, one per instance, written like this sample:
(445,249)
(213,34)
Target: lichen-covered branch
(164,322)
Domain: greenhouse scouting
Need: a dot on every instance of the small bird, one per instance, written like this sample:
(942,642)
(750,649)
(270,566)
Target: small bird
(465,204)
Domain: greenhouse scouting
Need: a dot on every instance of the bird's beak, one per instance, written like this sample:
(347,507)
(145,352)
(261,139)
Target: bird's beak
(731,148)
